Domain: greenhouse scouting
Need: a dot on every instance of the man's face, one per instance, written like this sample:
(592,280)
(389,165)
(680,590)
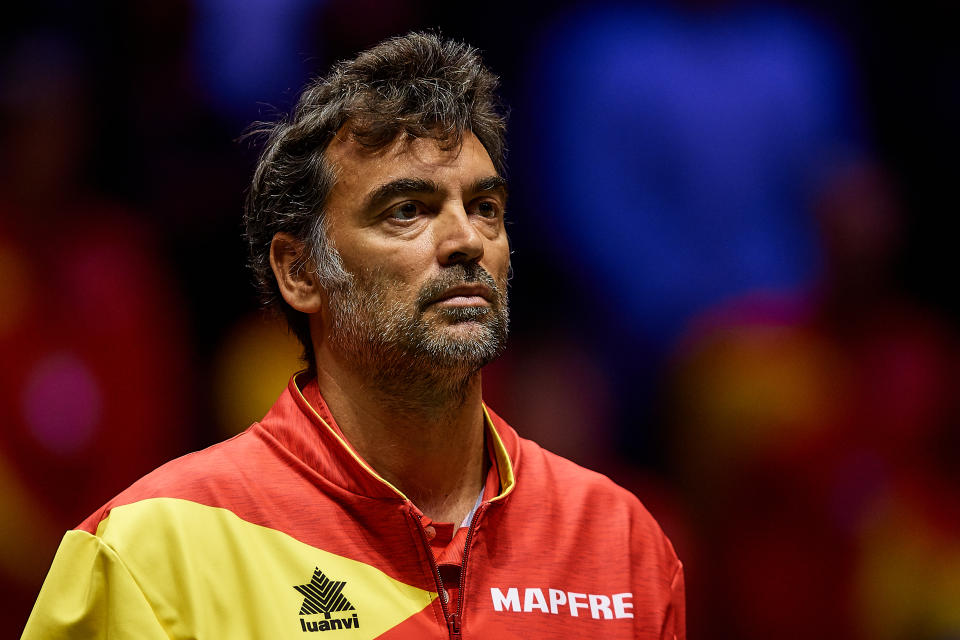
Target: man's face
(420,229)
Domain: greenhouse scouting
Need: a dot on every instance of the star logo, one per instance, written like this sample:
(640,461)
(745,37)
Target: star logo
(323,595)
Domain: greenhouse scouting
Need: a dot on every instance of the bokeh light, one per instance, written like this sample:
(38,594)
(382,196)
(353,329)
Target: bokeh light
(733,285)
(62,403)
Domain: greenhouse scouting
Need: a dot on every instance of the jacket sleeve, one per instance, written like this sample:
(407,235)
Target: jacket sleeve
(675,623)
(90,593)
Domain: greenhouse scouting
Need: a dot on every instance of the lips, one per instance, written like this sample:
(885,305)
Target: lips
(464,286)
(466,294)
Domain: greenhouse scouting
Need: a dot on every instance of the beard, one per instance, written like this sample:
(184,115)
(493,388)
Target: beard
(401,345)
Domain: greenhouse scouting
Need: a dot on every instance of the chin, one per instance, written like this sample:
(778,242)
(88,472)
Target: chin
(471,347)
(457,315)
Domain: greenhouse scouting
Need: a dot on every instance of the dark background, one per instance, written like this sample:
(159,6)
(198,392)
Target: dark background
(734,277)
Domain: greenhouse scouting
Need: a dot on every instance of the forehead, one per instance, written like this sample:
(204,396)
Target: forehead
(360,169)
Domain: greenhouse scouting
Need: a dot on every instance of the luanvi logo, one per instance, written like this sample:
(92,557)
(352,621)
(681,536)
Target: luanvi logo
(325,596)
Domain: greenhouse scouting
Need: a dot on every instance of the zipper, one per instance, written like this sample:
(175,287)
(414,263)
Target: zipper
(455,624)
(435,568)
(453,619)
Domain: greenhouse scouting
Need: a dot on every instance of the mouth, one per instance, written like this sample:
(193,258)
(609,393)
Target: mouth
(466,295)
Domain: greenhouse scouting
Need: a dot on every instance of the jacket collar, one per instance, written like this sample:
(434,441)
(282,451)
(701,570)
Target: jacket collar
(308,431)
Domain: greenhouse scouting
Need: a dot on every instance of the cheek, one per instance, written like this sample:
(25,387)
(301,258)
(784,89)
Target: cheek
(498,262)
(387,262)
(395,282)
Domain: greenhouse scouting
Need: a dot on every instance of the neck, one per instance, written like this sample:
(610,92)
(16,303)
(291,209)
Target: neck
(424,435)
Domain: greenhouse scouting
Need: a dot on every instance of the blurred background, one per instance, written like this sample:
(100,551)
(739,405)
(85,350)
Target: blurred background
(732,290)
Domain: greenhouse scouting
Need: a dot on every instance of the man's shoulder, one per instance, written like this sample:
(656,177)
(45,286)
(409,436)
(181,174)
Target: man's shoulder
(546,476)
(581,508)
(577,486)
(211,476)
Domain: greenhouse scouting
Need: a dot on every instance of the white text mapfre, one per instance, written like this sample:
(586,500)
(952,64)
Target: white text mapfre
(555,601)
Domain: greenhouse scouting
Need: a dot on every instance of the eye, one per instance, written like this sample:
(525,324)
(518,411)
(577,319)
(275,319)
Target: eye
(405,211)
(487,209)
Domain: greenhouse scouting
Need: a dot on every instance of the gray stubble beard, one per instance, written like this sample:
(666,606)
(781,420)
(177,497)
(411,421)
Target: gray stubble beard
(403,355)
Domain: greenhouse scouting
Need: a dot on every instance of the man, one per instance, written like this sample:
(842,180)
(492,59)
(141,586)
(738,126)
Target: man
(379,497)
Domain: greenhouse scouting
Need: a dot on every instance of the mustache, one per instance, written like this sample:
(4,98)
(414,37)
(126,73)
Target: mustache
(470,273)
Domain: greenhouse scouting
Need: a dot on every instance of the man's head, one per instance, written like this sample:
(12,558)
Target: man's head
(392,156)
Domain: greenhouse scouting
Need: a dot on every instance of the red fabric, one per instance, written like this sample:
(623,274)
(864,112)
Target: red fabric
(447,539)
(560,527)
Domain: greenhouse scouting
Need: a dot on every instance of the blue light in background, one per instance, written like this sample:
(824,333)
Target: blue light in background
(679,152)
(253,51)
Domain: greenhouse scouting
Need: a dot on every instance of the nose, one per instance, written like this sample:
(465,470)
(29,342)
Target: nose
(458,240)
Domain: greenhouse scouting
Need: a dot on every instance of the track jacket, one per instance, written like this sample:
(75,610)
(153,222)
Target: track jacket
(284,532)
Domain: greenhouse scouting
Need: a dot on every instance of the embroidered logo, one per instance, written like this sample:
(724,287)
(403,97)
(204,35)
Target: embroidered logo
(325,596)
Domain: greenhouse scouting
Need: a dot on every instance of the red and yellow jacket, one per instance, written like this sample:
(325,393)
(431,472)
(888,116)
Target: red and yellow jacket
(284,531)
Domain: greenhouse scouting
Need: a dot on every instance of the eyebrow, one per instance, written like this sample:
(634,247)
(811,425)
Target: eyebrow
(406,186)
(399,187)
(490,183)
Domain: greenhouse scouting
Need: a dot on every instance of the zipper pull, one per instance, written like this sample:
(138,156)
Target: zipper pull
(453,624)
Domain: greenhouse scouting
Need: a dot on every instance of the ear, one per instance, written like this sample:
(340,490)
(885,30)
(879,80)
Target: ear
(294,272)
